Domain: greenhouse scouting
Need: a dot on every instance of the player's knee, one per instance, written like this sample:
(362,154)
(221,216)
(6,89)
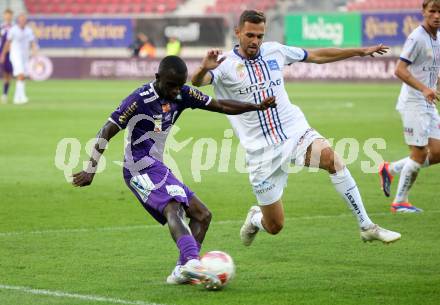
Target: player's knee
(419,154)
(274,227)
(200,213)
(206,217)
(434,156)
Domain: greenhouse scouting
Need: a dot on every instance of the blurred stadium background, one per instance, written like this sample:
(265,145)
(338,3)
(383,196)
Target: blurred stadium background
(91,38)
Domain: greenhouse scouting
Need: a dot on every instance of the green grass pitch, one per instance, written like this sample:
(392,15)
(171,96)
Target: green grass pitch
(96,245)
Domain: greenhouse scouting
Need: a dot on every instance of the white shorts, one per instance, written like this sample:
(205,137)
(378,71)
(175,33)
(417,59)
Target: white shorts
(269,167)
(20,64)
(419,126)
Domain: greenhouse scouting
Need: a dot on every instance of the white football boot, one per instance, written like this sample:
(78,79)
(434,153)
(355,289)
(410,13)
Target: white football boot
(177,278)
(248,231)
(194,270)
(21,101)
(374,232)
(4,99)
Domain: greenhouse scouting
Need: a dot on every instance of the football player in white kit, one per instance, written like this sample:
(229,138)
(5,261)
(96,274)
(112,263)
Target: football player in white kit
(20,40)
(418,68)
(277,138)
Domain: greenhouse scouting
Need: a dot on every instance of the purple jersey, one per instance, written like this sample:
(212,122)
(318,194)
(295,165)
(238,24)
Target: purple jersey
(4,28)
(148,119)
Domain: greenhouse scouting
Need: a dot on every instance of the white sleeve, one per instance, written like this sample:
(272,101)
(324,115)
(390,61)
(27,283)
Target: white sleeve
(292,54)
(411,50)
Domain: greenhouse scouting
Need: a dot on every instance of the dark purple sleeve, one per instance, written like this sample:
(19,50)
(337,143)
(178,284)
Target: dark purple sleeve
(193,98)
(128,108)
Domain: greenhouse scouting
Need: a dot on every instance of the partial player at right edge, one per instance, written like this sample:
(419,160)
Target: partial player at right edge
(418,68)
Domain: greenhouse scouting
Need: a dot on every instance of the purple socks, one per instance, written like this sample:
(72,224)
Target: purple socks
(5,88)
(189,249)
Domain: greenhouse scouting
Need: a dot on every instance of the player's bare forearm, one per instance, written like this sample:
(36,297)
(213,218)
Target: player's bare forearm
(105,134)
(235,107)
(200,77)
(322,56)
(85,177)
(34,48)
(327,55)
(405,75)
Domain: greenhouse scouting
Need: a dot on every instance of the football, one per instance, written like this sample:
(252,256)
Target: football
(221,264)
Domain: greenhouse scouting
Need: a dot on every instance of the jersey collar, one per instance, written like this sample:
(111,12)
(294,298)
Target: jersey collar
(255,58)
(429,33)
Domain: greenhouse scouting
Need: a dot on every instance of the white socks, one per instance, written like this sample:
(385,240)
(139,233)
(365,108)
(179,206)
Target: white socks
(397,166)
(19,94)
(407,177)
(256,221)
(347,188)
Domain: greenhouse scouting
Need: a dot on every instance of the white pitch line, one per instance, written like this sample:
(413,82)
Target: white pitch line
(155,226)
(61,294)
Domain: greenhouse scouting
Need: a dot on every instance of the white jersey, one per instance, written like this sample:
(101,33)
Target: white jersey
(253,80)
(20,41)
(422,53)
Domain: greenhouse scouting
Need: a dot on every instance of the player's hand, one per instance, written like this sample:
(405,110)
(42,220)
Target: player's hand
(430,95)
(268,103)
(375,50)
(211,60)
(82,178)
(2,59)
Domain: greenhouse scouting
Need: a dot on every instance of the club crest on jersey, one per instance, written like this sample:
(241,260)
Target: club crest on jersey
(241,73)
(273,65)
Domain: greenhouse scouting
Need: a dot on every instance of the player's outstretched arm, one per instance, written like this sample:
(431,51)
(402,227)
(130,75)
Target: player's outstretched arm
(211,61)
(404,75)
(34,48)
(322,56)
(85,177)
(235,107)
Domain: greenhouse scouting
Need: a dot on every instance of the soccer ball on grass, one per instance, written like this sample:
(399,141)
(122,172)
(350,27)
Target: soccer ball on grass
(221,264)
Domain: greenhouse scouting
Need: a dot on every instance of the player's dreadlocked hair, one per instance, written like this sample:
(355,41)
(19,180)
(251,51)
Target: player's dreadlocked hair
(174,63)
(427,2)
(251,16)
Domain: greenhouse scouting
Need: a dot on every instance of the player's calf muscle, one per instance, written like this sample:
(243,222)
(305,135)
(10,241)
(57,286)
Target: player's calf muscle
(330,161)
(274,226)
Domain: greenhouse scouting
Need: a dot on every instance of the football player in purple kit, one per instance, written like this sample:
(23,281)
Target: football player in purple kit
(6,67)
(148,114)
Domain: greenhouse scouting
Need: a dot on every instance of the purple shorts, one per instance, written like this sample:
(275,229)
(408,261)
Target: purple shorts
(7,65)
(155,187)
